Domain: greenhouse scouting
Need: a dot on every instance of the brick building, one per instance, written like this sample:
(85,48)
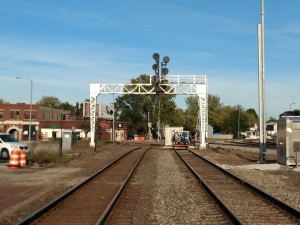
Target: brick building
(105,127)
(15,119)
(46,123)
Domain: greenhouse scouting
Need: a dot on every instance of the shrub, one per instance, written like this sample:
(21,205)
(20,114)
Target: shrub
(46,157)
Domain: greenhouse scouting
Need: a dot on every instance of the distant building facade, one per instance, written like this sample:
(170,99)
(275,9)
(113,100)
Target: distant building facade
(15,119)
(47,123)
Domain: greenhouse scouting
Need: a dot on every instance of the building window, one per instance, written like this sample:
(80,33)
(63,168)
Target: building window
(14,114)
(27,115)
(1,115)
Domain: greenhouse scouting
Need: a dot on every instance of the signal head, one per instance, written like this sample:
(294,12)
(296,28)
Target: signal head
(155,67)
(166,59)
(165,71)
(156,56)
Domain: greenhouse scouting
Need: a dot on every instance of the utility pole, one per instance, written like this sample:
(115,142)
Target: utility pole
(239,120)
(261,83)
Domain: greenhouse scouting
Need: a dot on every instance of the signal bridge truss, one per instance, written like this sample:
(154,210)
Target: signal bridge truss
(174,85)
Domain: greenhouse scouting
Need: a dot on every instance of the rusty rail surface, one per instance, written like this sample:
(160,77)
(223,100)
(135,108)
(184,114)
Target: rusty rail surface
(127,211)
(242,201)
(89,202)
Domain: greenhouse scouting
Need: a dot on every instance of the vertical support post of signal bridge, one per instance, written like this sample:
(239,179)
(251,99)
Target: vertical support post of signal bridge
(201,91)
(94,92)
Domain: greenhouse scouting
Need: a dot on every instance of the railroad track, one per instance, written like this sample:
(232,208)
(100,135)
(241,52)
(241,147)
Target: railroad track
(114,195)
(91,201)
(240,201)
(270,145)
(127,207)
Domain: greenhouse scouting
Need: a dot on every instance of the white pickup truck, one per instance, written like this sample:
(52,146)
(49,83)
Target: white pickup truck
(9,143)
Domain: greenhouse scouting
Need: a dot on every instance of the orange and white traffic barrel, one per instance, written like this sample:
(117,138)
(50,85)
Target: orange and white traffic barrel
(14,160)
(22,158)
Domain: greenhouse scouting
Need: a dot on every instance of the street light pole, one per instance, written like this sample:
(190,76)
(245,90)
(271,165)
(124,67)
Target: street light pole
(30,107)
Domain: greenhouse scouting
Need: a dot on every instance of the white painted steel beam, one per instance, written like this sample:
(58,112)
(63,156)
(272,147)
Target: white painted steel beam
(174,85)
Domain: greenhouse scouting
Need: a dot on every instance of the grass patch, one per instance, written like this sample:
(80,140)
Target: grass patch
(86,143)
(45,157)
(49,153)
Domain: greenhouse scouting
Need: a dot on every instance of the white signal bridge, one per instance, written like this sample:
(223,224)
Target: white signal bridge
(173,85)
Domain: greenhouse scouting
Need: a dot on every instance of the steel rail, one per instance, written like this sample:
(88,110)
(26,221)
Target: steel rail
(37,214)
(270,145)
(231,216)
(283,205)
(117,196)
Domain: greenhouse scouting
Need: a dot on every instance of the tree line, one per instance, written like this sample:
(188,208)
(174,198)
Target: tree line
(140,110)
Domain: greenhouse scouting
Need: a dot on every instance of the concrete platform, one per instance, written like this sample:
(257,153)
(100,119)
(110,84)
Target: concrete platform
(267,166)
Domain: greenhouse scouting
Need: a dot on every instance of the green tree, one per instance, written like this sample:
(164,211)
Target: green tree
(50,101)
(235,119)
(214,112)
(226,120)
(191,113)
(134,110)
(139,109)
(3,102)
(252,117)
(240,120)
(177,118)
(252,111)
(67,106)
(271,119)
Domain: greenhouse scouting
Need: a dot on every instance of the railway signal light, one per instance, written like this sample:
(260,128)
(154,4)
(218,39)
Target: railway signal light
(155,66)
(166,59)
(156,57)
(164,71)
(159,78)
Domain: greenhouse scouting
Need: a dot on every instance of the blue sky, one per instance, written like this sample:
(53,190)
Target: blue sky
(63,46)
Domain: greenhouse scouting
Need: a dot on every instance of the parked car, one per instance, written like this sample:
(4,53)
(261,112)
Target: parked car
(9,143)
